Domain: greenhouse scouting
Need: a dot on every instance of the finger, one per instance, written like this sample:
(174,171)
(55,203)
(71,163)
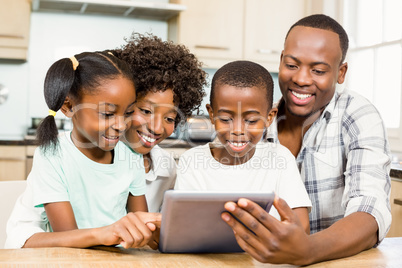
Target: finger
(246,240)
(126,239)
(155,218)
(140,232)
(153,244)
(284,210)
(254,217)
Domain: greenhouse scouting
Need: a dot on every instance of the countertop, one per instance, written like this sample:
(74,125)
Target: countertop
(387,254)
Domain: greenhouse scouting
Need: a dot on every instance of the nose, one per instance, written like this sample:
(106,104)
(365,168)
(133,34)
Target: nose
(238,127)
(155,126)
(302,77)
(120,124)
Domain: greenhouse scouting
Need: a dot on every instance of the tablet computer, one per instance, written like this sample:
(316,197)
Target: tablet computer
(192,223)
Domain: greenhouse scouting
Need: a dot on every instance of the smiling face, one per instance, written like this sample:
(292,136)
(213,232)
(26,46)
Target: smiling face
(309,70)
(240,116)
(100,119)
(153,121)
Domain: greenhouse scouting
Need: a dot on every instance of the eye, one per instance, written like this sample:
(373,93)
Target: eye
(224,119)
(251,121)
(319,72)
(145,111)
(107,115)
(290,66)
(170,120)
(129,113)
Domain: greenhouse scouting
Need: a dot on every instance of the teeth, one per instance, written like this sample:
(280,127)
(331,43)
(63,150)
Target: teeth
(238,144)
(148,139)
(112,138)
(301,96)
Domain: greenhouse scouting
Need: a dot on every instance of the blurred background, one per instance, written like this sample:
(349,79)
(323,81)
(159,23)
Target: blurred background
(35,33)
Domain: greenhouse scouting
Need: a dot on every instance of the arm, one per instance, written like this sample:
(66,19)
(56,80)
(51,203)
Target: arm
(302,214)
(286,241)
(136,203)
(129,231)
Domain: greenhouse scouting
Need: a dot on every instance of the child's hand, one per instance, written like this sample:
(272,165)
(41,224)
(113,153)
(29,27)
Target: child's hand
(132,231)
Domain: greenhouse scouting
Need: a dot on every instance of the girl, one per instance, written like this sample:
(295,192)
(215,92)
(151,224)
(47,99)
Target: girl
(83,178)
(170,86)
(169,80)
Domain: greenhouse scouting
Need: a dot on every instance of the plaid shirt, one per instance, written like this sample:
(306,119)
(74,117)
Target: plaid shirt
(344,162)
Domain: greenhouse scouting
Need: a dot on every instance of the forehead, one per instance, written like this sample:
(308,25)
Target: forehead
(235,99)
(313,44)
(119,92)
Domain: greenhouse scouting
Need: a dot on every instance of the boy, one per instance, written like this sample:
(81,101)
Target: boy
(240,108)
(342,151)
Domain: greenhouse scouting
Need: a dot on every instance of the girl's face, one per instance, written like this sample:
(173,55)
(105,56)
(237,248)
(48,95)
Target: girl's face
(153,121)
(100,119)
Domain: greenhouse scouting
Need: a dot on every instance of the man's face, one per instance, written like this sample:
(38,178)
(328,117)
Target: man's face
(309,69)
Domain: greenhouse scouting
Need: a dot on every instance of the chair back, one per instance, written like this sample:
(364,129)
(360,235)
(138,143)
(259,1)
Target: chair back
(9,192)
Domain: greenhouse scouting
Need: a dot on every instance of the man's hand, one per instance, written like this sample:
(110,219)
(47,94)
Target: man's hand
(273,241)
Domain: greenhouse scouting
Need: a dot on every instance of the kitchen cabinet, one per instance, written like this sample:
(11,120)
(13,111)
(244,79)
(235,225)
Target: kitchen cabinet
(266,23)
(14,29)
(12,162)
(396,208)
(221,31)
(212,30)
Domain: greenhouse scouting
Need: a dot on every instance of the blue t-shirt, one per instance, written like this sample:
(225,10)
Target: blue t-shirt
(97,192)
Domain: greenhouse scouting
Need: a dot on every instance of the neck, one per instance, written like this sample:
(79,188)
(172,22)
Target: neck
(94,153)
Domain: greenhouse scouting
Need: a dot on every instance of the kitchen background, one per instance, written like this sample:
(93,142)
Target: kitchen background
(217,31)
(36,33)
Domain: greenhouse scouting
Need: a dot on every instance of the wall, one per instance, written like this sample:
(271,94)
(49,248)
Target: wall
(54,36)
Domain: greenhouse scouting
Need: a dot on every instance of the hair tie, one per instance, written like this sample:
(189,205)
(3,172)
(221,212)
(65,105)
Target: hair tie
(52,113)
(75,62)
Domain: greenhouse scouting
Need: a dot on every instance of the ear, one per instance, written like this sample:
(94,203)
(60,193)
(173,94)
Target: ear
(342,72)
(211,113)
(271,116)
(67,108)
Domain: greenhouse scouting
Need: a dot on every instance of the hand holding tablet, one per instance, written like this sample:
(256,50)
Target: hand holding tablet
(191,221)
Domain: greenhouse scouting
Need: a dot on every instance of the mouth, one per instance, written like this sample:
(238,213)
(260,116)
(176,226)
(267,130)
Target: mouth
(299,98)
(111,138)
(238,146)
(146,139)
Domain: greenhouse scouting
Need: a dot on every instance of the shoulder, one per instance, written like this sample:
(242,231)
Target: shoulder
(353,102)
(275,150)
(197,150)
(123,149)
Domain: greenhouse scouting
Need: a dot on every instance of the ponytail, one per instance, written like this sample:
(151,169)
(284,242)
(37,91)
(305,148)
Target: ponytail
(58,82)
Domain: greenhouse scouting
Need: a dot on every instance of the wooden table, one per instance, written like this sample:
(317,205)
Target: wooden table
(388,254)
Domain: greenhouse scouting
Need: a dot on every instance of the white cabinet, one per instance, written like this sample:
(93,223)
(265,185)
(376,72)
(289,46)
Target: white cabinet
(220,31)
(396,209)
(14,29)
(211,29)
(266,24)
(12,162)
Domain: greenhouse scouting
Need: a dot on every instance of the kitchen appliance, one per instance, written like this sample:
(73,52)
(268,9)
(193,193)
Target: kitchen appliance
(196,128)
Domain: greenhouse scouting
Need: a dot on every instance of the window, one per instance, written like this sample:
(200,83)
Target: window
(375,52)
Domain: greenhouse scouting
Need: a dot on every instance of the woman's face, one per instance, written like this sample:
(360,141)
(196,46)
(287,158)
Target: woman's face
(153,121)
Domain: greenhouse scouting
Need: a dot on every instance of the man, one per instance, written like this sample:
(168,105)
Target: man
(340,145)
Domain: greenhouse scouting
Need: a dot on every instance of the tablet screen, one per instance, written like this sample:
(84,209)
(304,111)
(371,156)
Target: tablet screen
(192,223)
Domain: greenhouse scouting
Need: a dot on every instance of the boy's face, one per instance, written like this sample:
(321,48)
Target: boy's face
(240,116)
(309,69)
(153,121)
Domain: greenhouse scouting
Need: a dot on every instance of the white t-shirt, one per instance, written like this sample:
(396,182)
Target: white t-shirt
(272,168)
(160,178)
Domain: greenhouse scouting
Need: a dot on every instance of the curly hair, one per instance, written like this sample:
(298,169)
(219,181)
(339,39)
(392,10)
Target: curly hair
(160,65)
